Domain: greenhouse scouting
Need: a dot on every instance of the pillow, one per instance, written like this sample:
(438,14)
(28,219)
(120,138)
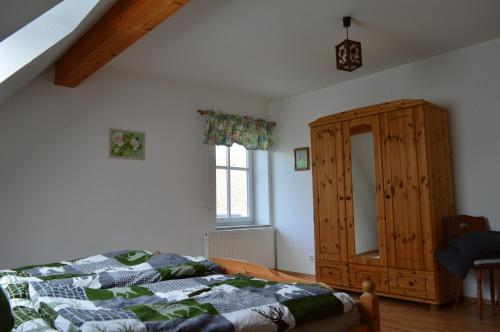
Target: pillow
(477,245)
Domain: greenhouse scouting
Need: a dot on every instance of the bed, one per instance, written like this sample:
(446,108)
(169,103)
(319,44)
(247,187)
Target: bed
(139,290)
(367,306)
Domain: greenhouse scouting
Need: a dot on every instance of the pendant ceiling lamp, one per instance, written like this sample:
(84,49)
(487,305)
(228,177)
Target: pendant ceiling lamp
(348,52)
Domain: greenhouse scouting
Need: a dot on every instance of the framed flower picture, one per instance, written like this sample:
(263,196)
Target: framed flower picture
(301,157)
(126,144)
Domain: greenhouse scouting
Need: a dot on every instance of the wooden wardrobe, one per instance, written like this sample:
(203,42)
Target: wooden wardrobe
(382,186)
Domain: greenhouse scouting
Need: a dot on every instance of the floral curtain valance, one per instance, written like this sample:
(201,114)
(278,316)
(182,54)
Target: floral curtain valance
(226,129)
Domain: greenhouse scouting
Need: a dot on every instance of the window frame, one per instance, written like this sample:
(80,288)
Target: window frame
(235,221)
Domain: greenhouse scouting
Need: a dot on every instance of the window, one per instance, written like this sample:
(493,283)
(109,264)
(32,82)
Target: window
(233,185)
(42,34)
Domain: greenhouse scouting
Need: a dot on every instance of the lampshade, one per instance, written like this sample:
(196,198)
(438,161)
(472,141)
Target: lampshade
(348,52)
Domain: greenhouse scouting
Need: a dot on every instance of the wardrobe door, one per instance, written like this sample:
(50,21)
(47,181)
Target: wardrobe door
(401,190)
(329,210)
(366,232)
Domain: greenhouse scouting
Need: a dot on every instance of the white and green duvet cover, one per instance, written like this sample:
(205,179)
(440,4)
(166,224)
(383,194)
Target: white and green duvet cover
(191,296)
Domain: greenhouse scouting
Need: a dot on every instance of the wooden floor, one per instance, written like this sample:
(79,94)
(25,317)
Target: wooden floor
(398,316)
(405,316)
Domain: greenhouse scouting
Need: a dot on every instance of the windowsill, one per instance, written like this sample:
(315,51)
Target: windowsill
(231,227)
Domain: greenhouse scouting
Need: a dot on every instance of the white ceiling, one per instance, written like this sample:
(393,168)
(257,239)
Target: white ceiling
(277,48)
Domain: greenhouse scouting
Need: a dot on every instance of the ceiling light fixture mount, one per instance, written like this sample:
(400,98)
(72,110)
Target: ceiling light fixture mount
(348,52)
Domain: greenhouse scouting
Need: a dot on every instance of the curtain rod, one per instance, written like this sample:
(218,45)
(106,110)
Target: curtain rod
(203,112)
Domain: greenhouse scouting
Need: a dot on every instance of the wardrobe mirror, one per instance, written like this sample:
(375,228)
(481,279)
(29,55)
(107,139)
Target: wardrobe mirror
(364,192)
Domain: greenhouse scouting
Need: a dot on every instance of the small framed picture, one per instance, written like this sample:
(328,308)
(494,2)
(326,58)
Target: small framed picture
(127,144)
(301,159)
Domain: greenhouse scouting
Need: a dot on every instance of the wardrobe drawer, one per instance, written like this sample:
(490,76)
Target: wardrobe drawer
(332,273)
(412,283)
(378,275)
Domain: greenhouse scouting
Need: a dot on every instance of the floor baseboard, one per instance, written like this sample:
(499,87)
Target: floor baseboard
(300,275)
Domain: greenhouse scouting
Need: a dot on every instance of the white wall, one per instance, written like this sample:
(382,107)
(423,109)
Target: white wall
(261,192)
(62,197)
(466,81)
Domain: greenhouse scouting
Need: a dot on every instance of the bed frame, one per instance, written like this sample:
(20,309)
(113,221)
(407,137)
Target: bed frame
(368,303)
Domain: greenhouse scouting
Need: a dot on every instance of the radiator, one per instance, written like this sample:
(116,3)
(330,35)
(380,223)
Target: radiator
(256,245)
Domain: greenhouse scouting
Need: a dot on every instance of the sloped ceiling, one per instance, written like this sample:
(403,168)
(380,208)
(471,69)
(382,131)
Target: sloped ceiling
(274,49)
(278,48)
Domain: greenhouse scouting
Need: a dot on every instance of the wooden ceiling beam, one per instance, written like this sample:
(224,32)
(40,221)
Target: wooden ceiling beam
(125,23)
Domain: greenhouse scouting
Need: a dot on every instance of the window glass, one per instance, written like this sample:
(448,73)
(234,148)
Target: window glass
(221,193)
(238,156)
(221,155)
(239,193)
(233,184)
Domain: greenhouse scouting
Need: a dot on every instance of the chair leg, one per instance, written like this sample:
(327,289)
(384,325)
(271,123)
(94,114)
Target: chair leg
(492,290)
(479,293)
(458,295)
